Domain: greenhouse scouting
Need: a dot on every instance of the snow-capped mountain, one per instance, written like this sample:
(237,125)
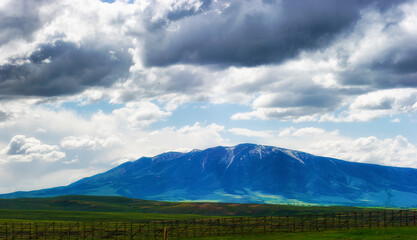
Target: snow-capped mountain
(249,173)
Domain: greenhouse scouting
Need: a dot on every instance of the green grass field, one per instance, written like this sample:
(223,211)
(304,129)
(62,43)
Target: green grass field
(76,216)
(117,207)
(353,234)
(87,209)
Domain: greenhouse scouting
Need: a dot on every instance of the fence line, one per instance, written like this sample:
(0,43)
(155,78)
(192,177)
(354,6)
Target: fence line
(196,228)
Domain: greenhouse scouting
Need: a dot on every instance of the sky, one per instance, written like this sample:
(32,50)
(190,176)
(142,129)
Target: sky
(86,85)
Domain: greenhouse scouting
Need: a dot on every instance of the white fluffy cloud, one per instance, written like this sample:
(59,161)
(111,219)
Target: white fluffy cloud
(377,104)
(28,149)
(186,138)
(88,142)
(302,132)
(250,133)
(397,151)
(140,114)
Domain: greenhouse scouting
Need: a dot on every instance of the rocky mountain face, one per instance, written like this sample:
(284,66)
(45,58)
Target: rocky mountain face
(249,173)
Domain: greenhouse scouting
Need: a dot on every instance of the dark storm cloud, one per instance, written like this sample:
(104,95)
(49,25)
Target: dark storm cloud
(63,68)
(250,33)
(403,61)
(395,70)
(294,113)
(319,98)
(178,11)
(387,79)
(182,13)
(20,19)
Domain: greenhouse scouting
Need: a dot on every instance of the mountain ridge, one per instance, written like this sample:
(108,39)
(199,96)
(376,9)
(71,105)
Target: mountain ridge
(248,173)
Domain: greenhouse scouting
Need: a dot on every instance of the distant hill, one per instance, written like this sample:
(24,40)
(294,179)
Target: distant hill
(97,204)
(249,173)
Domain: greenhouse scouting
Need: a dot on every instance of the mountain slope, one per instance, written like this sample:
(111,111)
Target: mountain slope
(249,173)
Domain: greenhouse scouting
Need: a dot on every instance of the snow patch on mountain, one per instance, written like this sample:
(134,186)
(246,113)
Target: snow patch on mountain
(230,156)
(293,155)
(257,151)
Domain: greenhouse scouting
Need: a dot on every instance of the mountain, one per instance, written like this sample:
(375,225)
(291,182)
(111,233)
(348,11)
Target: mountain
(248,173)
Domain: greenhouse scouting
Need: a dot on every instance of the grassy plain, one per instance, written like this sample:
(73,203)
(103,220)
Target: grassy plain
(120,209)
(76,216)
(353,234)
(95,208)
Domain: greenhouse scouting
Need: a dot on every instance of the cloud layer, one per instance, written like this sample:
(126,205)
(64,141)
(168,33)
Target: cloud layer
(62,68)
(289,60)
(250,33)
(24,149)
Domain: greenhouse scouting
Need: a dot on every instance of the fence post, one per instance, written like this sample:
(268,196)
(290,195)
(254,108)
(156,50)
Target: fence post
(401,218)
(172,228)
(218,226)
(311,222)
(186,227)
(356,220)
(78,230)
(154,230)
(294,226)
(36,230)
(61,232)
(302,224)
(209,227)
(101,230)
(347,220)
(392,218)
(406,218)
(194,228)
(340,223)
(131,231)
(288,224)
(84,230)
(233,226)
(163,226)
(370,219)
(69,230)
(241,226)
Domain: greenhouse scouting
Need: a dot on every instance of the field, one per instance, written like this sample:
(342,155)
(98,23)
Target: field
(354,234)
(87,217)
(76,208)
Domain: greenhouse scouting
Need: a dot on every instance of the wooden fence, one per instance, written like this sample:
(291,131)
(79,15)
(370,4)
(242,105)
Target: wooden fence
(196,228)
